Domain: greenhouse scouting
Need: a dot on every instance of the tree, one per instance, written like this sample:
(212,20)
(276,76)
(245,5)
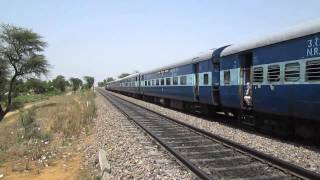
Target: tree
(50,86)
(76,83)
(36,85)
(3,78)
(101,83)
(123,75)
(21,49)
(109,79)
(89,82)
(105,81)
(19,87)
(60,83)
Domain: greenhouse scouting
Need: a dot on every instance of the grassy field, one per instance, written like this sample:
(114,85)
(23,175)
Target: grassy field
(21,100)
(42,140)
(27,98)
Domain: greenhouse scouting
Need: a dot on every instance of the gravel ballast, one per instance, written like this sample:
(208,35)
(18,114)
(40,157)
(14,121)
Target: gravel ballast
(130,152)
(301,155)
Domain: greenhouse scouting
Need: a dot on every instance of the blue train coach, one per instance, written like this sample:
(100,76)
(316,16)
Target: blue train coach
(282,73)
(184,84)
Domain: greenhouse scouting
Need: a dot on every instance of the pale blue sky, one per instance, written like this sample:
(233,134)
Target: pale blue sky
(105,38)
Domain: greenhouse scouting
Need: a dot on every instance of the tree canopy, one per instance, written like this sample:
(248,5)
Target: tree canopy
(21,56)
(89,81)
(76,83)
(105,81)
(3,78)
(109,79)
(60,83)
(122,75)
(36,85)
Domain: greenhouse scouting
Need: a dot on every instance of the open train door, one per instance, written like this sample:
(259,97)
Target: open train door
(196,68)
(245,86)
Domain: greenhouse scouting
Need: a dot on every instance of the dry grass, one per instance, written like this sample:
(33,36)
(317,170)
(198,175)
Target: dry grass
(37,137)
(71,114)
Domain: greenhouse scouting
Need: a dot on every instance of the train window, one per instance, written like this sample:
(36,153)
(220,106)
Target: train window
(205,79)
(168,81)
(313,70)
(274,73)
(157,82)
(183,80)
(258,74)
(162,82)
(149,83)
(145,83)
(175,80)
(226,77)
(292,71)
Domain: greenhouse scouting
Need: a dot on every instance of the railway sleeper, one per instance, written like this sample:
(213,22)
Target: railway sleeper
(212,154)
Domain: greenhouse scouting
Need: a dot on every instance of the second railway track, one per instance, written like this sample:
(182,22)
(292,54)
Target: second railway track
(206,155)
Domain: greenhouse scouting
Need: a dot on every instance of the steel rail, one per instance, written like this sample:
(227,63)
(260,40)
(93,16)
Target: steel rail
(282,165)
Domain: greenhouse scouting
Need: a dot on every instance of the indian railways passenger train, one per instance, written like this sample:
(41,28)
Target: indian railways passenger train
(271,83)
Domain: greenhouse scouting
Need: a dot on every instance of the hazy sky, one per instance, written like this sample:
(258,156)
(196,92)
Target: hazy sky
(105,38)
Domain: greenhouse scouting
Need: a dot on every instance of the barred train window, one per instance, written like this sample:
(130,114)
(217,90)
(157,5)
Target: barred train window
(157,82)
(175,80)
(183,80)
(162,81)
(274,73)
(168,81)
(226,77)
(205,79)
(292,71)
(313,70)
(258,74)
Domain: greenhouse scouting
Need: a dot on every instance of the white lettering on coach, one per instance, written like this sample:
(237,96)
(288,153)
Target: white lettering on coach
(313,46)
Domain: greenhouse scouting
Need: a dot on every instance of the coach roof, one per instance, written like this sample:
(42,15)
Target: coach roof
(291,33)
(201,57)
(129,76)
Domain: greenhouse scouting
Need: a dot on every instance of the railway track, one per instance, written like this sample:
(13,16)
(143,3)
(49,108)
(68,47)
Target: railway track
(208,156)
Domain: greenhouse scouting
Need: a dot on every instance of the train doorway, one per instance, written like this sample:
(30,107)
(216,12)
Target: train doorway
(196,84)
(245,87)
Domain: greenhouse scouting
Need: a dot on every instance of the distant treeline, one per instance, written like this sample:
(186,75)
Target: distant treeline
(38,86)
